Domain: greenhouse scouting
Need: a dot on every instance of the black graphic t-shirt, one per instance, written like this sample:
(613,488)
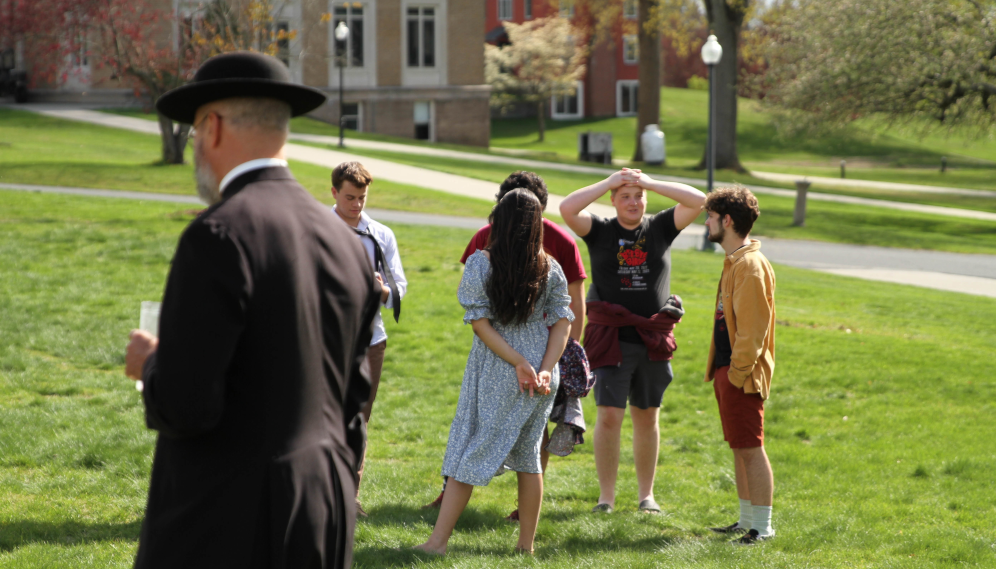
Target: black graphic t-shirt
(724,351)
(632,267)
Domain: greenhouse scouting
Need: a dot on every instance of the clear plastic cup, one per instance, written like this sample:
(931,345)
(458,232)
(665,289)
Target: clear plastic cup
(149,320)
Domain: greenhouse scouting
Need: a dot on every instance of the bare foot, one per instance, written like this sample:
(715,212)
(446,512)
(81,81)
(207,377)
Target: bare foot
(523,550)
(429,548)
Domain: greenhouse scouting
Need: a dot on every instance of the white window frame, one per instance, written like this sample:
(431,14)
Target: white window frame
(579,93)
(634,41)
(566,8)
(432,119)
(631,9)
(359,114)
(627,84)
(425,76)
(349,6)
(353,77)
(78,72)
(505,9)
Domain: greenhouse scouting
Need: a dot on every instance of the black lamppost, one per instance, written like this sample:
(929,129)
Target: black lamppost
(712,52)
(341,35)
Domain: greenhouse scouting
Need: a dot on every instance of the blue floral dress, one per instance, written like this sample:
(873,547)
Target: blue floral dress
(496,428)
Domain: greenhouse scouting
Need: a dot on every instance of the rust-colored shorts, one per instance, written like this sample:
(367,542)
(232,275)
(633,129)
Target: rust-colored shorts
(742,414)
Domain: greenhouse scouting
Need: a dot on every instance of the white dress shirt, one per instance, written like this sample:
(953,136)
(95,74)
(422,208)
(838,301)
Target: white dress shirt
(388,244)
(249,166)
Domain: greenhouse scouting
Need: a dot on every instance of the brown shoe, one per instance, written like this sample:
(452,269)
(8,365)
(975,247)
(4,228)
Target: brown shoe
(435,504)
(513,517)
(360,512)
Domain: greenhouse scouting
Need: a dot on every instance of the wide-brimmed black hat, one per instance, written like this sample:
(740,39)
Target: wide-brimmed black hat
(238,74)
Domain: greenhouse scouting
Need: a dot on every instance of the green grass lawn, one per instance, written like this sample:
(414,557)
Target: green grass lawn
(879,426)
(825,221)
(36,149)
(41,150)
(874,149)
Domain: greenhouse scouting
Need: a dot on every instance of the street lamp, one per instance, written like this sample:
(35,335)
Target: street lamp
(341,35)
(712,52)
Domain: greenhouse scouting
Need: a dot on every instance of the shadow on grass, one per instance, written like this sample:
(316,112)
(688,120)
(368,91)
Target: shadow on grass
(400,515)
(19,533)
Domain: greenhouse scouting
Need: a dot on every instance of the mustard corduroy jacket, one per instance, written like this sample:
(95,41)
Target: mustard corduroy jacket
(747,288)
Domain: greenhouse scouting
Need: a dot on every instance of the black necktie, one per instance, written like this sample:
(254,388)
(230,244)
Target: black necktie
(380,263)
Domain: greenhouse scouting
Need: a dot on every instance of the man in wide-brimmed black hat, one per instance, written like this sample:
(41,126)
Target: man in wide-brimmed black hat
(254,382)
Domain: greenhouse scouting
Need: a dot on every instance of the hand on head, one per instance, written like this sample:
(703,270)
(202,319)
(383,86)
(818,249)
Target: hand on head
(626,177)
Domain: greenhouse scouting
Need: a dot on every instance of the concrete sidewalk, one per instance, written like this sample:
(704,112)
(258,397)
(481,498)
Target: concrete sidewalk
(855,183)
(460,185)
(954,272)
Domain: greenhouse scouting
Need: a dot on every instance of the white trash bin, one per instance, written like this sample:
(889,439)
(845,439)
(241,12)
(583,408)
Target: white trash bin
(652,141)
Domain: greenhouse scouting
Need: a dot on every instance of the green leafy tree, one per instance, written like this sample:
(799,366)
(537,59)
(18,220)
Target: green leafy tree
(935,59)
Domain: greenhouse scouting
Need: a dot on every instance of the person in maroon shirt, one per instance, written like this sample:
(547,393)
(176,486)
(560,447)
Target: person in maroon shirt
(558,244)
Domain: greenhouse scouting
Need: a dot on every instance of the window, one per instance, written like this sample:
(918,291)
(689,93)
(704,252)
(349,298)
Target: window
(421,37)
(566,8)
(351,50)
(351,116)
(528,7)
(504,9)
(630,9)
(568,106)
(423,120)
(283,42)
(626,98)
(631,49)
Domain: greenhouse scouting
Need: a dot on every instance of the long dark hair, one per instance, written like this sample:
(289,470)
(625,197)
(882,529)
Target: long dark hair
(519,266)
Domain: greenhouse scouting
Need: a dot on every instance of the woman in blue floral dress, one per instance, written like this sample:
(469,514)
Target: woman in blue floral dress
(512,292)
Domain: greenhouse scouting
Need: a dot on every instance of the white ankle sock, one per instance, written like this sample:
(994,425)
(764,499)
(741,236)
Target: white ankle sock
(745,514)
(761,520)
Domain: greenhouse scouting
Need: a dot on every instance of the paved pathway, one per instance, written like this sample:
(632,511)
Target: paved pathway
(971,274)
(855,183)
(468,186)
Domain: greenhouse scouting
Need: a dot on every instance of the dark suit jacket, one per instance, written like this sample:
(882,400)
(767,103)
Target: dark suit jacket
(256,385)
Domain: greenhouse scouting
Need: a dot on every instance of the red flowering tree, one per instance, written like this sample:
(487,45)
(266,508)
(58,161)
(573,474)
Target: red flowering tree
(146,44)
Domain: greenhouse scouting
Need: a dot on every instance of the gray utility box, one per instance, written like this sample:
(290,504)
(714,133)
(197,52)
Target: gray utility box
(595,147)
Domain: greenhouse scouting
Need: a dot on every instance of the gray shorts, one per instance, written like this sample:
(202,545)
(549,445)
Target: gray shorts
(638,378)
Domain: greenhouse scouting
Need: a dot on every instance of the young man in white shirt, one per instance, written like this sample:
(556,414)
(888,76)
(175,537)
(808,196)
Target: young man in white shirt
(350,182)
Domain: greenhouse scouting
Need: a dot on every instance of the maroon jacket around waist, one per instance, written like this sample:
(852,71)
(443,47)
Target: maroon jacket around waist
(601,333)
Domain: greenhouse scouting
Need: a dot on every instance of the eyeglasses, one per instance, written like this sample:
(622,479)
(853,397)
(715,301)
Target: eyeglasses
(193,130)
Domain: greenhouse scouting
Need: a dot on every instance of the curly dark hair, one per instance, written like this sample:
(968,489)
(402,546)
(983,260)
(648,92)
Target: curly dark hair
(519,266)
(526,180)
(736,201)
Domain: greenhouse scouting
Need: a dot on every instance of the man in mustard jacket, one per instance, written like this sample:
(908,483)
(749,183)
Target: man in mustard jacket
(742,354)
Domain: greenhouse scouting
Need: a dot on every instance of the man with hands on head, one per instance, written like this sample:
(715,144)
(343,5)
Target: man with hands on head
(631,316)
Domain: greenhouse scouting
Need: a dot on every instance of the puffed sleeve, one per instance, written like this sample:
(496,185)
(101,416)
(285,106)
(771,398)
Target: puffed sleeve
(471,293)
(558,300)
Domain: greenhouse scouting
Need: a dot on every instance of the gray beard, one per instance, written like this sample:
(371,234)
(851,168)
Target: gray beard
(207,182)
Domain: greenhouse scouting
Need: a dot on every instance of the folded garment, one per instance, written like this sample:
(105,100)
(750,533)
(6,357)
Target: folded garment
(570,428)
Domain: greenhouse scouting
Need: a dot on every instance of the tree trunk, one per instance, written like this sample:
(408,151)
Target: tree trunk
(725,23)
(541,116)
(648,98)
(174,140)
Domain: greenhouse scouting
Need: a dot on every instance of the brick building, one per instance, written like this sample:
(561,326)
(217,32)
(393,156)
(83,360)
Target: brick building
(610,82)
(411,68)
